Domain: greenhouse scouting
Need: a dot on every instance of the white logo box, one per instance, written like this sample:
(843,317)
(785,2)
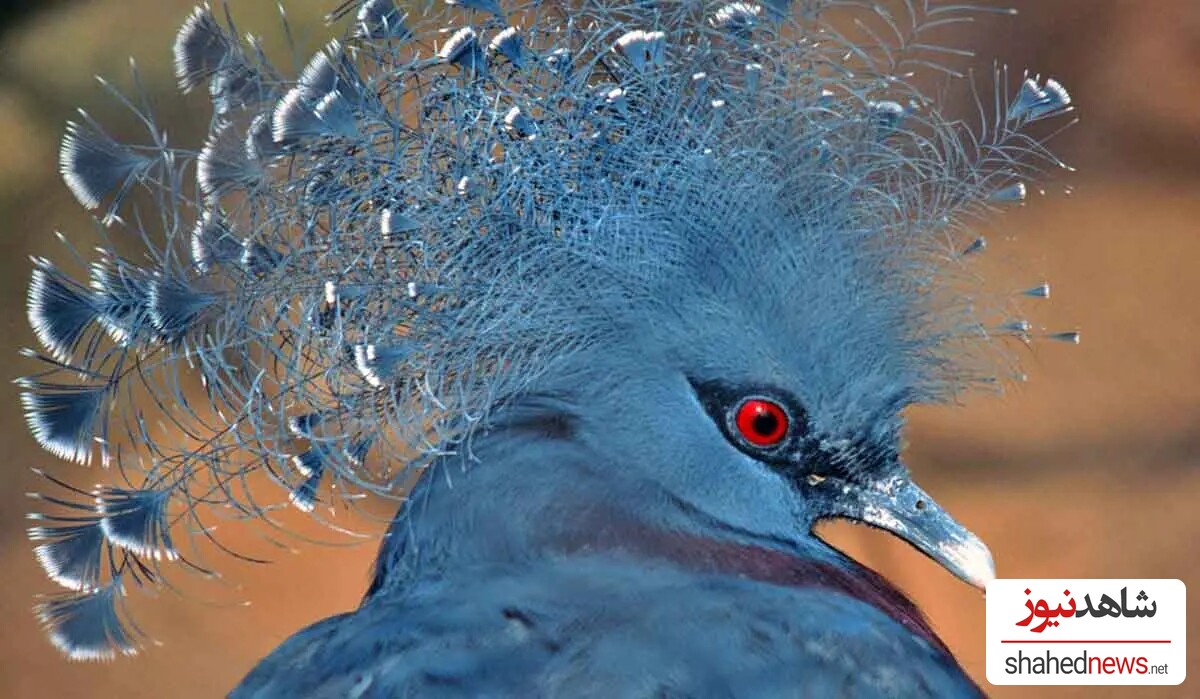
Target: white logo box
(1078,631)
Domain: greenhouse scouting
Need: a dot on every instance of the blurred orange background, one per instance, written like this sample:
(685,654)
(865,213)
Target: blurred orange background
(1091,469)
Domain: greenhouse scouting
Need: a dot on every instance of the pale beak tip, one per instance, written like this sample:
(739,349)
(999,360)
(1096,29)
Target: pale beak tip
(971,561)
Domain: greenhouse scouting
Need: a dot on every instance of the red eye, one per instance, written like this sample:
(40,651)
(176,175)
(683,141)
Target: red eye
(762,422)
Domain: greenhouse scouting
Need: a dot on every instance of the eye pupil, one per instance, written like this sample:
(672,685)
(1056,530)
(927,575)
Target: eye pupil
(765,423)
(761,422)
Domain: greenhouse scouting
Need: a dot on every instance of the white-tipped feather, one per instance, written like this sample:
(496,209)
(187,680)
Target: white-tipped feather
(93,165)
(60,311)
(62,419)
(364,361)
(380,19)
(615,99)
(1057,99)
(201,47)
(72,556)
(177,308)
(1019,327)
(518,124)
(468,186)
(260,145)
(462,49)
(212,242)
(1033,102)
(643,49)
(561,61)
(88,625)
(508,43)
(294,117)
(304,495)
(53,566)
(302,425)
(1011,194)
(303,500)
(320,75)
(888,115)
(223,166)
(1041,291)
(137,521)
(121,290)
(738,18)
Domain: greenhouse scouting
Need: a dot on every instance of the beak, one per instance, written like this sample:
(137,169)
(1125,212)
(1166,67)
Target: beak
(899,506)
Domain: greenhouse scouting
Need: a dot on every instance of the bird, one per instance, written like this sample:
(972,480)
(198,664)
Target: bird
(616,302)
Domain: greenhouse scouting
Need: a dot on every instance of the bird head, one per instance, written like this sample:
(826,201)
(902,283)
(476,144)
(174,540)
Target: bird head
(761,383)
(730,241)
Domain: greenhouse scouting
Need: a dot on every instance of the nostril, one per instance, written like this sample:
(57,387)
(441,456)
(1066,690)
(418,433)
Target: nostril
(920,504)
